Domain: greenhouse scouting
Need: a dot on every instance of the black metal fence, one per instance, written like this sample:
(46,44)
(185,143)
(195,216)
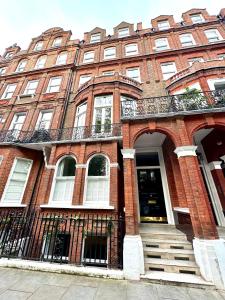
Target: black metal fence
(59,135)
(81,239)
(174,104)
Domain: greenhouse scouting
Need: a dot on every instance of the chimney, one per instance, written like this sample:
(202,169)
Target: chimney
(139,26)
(222,12)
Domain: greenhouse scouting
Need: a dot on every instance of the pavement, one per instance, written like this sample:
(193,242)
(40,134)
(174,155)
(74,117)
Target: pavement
(16,284)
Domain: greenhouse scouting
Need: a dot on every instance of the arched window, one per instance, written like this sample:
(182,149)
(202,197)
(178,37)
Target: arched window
(64,181)
(97,185)
(21,66)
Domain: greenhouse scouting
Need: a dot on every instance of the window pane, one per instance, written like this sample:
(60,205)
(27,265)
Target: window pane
(67,167)
(97,166)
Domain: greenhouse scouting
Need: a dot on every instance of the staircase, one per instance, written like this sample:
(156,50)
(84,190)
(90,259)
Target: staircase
(168,253)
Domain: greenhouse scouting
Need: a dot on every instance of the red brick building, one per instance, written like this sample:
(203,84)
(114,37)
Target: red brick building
(130,123)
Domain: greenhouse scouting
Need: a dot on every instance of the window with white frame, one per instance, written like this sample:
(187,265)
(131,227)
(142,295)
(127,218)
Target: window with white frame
(84,78)
(220,56)
(197,18)
(17,181)
(31,87)
(108,73)
(213,35)
(2,71)
(1,119)
(1,159)
(163,25)
(8,55)
(64,181)
(10,89)
(88,56)
(54,84)
(57,42)
(61,58)
(17,124)
(95,38)
(168,69)
(187,39)
(38,46)
(97,181)
(161,44)
(134,73)
(102,118)
(122,32)
(131,49)
(110,53)
(40,62)
(21,66)
(81,115)
(44,120)
(195,59)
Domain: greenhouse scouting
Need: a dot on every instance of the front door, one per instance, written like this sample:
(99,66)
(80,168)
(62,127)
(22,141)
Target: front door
(151,196)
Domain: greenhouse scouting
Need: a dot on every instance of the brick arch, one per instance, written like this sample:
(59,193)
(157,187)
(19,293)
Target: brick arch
(205,125)
(104,153)
(58,157)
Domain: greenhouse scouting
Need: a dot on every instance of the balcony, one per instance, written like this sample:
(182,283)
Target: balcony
(166,106)
(65,135)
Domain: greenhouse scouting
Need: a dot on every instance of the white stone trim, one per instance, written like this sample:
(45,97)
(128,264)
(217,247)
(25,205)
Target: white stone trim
(5,204)
(209,255)
(114,165)
(128,153)
(222,157)
(215,165)
(133,257)
(63,205)
(184,210)
(46,158)
(186,151)
(81,166)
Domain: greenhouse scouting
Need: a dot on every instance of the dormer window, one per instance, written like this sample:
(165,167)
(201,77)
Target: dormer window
(163,25)
(95,38)
(122,32)
(57,42)
(197,18)
(21,66)
(8,55)
(2,71)
(38,46)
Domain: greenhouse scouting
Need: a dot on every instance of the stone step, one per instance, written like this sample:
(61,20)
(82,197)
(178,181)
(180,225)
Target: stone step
(166,244)
(167,253)
(171,266)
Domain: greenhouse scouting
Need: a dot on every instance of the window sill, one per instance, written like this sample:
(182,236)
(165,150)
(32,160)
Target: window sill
(183,210)
(50,205)
(5,204)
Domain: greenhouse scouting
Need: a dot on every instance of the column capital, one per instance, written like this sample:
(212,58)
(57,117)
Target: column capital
(128,153)
(215,165)
(81,166)
(186,151)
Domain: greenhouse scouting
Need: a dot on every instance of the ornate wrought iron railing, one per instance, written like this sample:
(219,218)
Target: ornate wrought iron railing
(61,135)
(82,239)
(173,105)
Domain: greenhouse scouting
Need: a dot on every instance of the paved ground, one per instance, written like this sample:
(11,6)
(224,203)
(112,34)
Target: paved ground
(19,284)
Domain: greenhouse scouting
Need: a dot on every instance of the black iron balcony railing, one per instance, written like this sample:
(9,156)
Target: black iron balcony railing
(61,135)
(165,106)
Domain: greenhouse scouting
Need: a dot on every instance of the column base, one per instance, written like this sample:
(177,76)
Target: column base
(210,257)
(133,257)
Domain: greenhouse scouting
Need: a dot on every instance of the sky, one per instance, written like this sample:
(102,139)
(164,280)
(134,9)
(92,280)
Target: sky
(21,20)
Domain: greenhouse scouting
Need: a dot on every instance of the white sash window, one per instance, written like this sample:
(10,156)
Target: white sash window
(17,124)
(78,132)
(61,58)
(41,62)
(44,120)
(102,118)
(21,66)
(17,181)
(97,184)
(64,181)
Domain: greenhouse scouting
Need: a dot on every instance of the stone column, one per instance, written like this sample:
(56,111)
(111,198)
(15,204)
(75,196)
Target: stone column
(133,255)
(208,249)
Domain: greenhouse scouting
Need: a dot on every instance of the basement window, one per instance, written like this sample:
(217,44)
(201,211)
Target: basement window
(95,250)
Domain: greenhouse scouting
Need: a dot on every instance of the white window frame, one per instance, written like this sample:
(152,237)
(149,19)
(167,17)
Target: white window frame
(31,91)
(199,20)
(88,59)
(1,159)
(52,202)
(79,114)
(21,65)
(131,49)
(190,42)
(211,82)
(132,69)
(40,117)
(38,46)
(218,35)
(42,59)
(14,122)
(164,44)
(111,53)
(95,38)
(10,177)
(4,96)
(57,42)
(61,58)
(50,86)
(84,78)
(221,56)
(163,25)
(97,204)
(165,77)
(103,116)
(8,55)
(2,70)
(108,73)
(195,59)
(123,32)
